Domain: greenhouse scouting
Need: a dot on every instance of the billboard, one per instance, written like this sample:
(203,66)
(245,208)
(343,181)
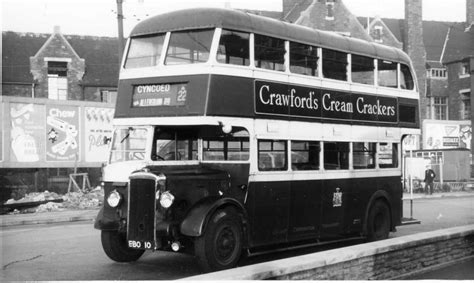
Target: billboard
(98,125)
(27,132)
(62,129)
(439,134)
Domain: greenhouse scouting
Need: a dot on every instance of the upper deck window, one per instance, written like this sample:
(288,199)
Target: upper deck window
(387,73)
(269,53)
(303,59)
(189,47)
(334,64)
(144,51)
(234,48)
(406,79)
(363,69)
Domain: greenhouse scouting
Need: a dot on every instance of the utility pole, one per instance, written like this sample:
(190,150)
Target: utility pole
(120,28)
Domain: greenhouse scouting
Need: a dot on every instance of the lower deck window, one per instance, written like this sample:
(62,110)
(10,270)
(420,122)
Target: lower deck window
(388,155)
(272,155)
(364,155)
(336,155)
(305,155)
(236,149)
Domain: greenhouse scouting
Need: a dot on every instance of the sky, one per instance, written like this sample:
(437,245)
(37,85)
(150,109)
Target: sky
(98,17)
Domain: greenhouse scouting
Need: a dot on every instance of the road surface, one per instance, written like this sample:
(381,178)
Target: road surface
(73,251)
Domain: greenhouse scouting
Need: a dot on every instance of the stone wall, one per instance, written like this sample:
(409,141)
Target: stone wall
(396,258)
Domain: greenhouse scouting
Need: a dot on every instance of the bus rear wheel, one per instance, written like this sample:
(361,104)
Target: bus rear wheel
(378,222)
(116,248)
(220,246)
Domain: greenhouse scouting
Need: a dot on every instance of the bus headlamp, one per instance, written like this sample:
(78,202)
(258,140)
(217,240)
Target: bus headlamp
(166,199)
(114,199)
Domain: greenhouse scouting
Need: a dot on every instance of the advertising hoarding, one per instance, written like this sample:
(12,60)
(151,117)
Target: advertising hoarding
(98,125)
(447,134)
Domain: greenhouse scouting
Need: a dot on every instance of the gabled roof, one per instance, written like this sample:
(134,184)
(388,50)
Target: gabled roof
(100,55)
(434,34)
(460,44)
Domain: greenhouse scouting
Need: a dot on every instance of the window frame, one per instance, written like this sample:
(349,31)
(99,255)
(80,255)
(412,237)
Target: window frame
(284,151)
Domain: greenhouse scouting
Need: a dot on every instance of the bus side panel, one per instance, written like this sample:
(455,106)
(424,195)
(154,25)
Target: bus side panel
(335,203)
(268,207)
(305,210)
(237,100)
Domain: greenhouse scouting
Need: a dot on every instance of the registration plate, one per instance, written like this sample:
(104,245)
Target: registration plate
(147,245)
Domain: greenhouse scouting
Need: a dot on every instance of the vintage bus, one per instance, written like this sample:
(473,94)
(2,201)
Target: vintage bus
(239,134)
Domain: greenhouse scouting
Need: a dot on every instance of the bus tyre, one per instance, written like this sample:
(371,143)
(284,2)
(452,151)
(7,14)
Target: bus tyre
(378,222)
(220,246)
(115,247)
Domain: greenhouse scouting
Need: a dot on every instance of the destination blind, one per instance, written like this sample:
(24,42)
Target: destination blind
(292,100)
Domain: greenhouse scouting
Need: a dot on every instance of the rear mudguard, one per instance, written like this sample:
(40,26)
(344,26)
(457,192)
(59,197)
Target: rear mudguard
(196,220)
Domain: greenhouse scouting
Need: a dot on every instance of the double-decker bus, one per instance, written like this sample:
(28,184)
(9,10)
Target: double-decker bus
(236,133)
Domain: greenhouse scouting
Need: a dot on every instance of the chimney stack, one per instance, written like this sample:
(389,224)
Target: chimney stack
(469,12)
(413,45)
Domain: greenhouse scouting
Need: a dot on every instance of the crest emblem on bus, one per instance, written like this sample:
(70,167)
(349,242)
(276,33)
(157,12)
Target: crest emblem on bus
(337,198)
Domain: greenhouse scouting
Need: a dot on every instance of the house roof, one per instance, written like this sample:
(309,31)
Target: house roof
(460,44)
(100,55)
(434,37)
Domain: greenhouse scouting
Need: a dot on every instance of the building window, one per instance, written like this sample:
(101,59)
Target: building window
(466,105)
(378,33)
(465,70)
(437,73)
(440,105)
(57,80)
(109,96)
(330,10)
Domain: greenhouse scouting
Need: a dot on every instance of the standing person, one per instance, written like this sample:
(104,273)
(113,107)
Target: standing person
(429,178)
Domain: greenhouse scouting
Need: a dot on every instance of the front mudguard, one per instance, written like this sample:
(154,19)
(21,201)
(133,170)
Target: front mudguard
(104,222)
(196,220)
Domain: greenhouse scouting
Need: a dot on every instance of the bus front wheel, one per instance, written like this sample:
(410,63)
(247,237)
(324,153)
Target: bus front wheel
(220,246)
(378,222)
(116,248)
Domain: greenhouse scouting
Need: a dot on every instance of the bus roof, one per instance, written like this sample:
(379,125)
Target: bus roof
(202,18)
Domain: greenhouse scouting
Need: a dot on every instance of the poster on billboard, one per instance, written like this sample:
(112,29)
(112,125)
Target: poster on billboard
(98,127)
(447,134)
(27,132)
(62,133)
(1,131)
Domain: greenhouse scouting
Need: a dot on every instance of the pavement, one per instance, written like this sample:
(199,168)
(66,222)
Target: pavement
(90,214)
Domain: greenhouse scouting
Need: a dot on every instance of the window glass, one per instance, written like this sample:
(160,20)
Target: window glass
(174,144)
(362,69)
(364,154)
(303,59)
(305,155)
(144,51)
(234,48)
(387,73)
(406,79)
(388,155)
(189,47)
(219,146)
(269,53)
(440,105)
(128,144)
(272,155)
(336,155)
(334,64)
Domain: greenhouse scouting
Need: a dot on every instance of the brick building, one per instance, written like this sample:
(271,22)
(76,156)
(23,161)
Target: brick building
(56,106)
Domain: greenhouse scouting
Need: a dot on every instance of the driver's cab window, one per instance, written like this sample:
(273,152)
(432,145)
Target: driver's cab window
(174,144)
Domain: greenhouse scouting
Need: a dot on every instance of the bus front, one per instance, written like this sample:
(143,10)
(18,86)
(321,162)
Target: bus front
(171,165)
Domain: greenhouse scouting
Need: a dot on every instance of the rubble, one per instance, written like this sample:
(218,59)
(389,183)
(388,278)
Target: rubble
(50,201)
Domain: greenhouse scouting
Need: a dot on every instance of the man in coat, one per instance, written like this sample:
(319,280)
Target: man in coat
(429,178)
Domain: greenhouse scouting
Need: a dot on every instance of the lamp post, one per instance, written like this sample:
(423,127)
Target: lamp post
(120,28)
